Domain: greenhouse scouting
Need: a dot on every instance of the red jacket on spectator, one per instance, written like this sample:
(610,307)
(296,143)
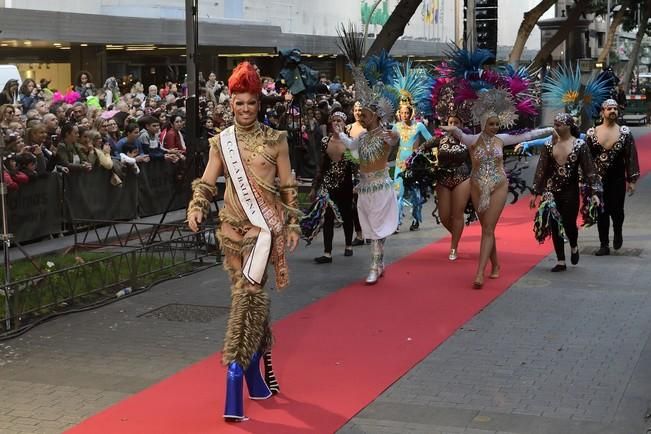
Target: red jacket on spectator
(173,140)
(13,181)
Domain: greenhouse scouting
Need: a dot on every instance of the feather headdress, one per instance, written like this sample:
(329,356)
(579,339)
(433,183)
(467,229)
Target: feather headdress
(370,91)
(505,93)
(562,89)
(381,68)
(467,64)
(520,83)
(443,97)
(494,103)
(412,86)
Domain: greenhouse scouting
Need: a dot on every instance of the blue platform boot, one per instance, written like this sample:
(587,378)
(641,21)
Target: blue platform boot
(258,388)
(234,410)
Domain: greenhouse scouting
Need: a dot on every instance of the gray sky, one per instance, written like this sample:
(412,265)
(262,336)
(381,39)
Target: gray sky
(510,16)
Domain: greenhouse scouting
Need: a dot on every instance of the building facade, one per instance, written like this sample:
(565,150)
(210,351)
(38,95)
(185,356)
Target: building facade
(147,37)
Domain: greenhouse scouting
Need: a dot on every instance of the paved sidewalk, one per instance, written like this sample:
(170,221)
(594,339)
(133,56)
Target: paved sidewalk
(555,354)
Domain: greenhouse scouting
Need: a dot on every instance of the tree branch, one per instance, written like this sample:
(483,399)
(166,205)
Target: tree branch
(561,34)
(618,19)
(394,27)
(635,53)
(528,23)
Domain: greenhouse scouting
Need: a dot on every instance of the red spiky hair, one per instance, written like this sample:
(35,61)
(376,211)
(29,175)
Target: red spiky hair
(245,79)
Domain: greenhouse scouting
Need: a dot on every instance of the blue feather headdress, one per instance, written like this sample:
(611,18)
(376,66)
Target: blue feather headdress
(562,89)
(380,67)
(467,64)
(412,87)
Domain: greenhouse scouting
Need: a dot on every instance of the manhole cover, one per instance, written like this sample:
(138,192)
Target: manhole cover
(621,252)
(187,312)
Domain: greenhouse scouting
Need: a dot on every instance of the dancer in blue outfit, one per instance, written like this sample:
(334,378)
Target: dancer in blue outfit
(411,133)
(412,87)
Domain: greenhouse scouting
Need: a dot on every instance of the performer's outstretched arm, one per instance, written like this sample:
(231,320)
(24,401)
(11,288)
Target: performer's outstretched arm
(509,139)
(466,139)
(422,129)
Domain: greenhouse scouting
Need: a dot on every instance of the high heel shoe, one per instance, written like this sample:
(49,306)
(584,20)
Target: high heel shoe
(257,386)
(453,255)
(495,273)
(234,409)
(477,285)
(269,376)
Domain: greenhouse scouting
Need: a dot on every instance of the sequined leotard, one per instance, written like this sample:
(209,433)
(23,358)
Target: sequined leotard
(487,158)
(453,162)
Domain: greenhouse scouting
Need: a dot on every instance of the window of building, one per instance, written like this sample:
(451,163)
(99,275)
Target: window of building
(600,40)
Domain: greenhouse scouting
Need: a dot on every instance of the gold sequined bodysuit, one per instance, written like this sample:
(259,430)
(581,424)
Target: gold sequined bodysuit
(487,167)
(248,330)
(487,160)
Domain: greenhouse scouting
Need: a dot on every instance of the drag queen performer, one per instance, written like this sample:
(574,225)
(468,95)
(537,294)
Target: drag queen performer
(557,180)
(615,156)
(258,221)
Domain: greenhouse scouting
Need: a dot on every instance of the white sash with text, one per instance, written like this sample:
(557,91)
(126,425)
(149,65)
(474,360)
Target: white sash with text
(256,263)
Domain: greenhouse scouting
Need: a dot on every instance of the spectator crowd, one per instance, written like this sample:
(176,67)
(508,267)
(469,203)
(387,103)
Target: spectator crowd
(124,124)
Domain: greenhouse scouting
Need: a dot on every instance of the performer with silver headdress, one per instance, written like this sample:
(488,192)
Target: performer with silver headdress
(496,100)
(376,201)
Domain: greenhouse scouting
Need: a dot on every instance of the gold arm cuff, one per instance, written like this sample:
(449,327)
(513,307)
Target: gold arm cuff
(289,199)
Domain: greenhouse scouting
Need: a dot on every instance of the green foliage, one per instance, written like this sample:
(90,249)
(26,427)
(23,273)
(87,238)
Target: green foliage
(100,277)
(380,16)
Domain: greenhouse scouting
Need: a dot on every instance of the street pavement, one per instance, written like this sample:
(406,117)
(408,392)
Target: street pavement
(556,353)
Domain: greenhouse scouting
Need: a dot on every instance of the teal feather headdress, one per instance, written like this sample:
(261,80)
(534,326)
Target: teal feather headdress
(562,89)
(412,87)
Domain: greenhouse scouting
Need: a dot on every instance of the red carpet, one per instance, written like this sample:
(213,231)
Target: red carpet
(337,355)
